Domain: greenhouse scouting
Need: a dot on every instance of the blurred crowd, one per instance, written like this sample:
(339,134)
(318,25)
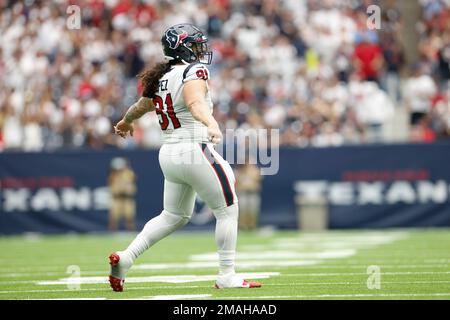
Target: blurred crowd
(311,68)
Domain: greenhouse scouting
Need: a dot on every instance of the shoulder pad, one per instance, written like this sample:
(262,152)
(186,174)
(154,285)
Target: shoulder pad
(195,71)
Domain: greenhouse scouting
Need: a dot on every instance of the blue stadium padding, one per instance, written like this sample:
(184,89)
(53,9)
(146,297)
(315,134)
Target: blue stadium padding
(414,181)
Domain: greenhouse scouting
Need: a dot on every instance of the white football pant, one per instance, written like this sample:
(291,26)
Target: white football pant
(191,168)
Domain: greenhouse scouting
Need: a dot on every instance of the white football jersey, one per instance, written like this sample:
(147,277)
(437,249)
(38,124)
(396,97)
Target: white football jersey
(177,122)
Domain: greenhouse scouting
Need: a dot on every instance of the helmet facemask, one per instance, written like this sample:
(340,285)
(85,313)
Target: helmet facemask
(201,51)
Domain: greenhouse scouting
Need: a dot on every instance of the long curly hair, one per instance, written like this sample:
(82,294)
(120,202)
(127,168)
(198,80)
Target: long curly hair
(150,77)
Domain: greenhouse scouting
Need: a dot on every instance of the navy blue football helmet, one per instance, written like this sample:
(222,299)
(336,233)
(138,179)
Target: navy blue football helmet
(187,43)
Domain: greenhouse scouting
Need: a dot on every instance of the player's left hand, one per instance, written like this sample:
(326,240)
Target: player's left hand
(122,128)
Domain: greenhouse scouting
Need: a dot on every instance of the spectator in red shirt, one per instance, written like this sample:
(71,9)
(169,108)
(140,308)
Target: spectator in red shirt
(368,59)
(422,132)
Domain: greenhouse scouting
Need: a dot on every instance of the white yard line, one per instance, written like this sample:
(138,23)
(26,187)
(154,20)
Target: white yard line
(438,294)
(277,255)
(98,289)
(102,280)
(213,264)
(197,278)
(167,279)
(49,274)
(159,266)
(363,237)
(191,287)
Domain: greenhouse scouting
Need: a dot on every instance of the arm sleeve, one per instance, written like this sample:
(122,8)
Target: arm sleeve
(195,71)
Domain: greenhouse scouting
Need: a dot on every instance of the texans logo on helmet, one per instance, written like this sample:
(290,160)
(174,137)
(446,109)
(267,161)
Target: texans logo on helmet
(174,38)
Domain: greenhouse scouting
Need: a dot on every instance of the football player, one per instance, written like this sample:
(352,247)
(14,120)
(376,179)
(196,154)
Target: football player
(177,90)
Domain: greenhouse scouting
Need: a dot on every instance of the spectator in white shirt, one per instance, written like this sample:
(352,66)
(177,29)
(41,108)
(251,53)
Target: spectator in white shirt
(418,92)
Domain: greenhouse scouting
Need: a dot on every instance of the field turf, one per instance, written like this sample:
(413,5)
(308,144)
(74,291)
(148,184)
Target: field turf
(376,264)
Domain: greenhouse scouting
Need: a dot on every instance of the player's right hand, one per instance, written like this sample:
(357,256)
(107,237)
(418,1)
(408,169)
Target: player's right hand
(122,128)
(214,134)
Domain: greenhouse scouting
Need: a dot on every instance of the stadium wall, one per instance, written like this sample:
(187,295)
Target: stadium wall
(378,186)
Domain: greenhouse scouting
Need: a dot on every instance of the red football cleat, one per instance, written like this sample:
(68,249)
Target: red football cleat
(114,259)
(116,283)
(252,284)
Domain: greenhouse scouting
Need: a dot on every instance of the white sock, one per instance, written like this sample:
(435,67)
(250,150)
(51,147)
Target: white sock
(156,229)
(125,264)
(226,237)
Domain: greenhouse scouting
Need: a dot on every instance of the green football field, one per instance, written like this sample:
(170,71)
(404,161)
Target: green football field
(378,264)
